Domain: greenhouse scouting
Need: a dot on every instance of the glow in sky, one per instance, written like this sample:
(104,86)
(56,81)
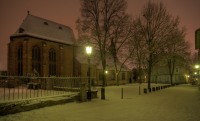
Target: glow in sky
(12,13)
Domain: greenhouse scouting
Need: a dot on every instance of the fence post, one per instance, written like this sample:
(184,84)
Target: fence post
(4,90)
(139,88)
(83,93)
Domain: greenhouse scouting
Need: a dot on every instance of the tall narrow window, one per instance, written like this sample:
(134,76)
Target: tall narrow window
(20,61)
(123,76)
(177,70)
(36,64)
(52,62)
(112,75)
(100,76)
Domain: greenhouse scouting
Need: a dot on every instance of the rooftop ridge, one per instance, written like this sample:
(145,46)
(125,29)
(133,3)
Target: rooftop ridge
(45,29)
(41,18)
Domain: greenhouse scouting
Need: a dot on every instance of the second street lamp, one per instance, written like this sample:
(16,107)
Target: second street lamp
(197,69)
(89,51)
(197,66)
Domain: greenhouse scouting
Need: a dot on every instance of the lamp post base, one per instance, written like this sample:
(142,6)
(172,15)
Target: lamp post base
(89,95)
(103,97)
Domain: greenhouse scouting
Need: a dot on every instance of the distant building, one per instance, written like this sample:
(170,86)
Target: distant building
(160,73)
(197,42)
(197,39)
(81,66)
(41,47)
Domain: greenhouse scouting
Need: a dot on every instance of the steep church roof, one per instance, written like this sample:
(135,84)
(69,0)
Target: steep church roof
(45,29)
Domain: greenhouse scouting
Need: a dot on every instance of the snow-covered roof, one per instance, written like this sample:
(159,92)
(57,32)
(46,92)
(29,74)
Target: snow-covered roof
(45,29)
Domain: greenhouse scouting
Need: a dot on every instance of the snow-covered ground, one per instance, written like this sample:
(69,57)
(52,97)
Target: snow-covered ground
(180,103)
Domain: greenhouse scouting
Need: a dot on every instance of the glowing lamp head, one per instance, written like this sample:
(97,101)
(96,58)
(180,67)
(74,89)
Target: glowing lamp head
(196,66)
(106,72)
(88,50)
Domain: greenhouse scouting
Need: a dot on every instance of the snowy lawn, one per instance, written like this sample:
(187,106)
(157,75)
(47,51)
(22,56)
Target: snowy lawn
(180,103)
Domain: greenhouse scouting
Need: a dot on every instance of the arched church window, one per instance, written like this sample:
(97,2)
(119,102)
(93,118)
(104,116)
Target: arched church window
(52,55)
(36,63)
(52,62)
(20,61)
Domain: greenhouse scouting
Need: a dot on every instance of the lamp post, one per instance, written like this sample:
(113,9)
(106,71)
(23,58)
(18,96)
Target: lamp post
(89,51)
(196,69)
(196,75)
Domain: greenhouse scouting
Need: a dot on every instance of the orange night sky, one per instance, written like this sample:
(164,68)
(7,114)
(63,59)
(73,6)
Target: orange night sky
(12,13)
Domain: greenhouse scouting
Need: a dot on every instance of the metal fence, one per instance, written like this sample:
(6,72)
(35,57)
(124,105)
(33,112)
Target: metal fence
(21,87)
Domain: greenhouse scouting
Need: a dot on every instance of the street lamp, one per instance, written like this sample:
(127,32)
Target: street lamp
(196,66)
(89,51)
(106,72)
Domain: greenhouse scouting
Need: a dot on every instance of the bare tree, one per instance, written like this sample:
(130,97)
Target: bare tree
(137,42)
(98,18)
(177,51)
(119,47)
(154,26)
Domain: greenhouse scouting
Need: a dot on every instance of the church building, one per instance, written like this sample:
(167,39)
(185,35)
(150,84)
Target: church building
(41,47)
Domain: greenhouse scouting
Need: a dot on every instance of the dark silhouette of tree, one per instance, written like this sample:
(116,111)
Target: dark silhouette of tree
(97,23)
(177,51)
(154,28)
(119,47)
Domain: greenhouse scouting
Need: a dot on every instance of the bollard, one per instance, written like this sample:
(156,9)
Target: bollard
(156,88)
(153,89)
(122,93)
(139,89)
(83,93)
(145,90)
(149,89)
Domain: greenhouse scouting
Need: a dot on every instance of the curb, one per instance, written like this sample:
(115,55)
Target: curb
(31,104)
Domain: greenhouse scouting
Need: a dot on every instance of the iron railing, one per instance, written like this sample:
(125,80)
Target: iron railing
(22,87)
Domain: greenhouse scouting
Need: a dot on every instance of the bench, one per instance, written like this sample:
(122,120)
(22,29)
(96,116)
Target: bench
(66,88)
(33,85)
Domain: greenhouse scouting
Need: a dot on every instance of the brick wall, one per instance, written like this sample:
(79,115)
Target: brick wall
(64,56)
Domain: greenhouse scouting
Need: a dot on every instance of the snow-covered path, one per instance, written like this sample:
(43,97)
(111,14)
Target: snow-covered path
(180,103)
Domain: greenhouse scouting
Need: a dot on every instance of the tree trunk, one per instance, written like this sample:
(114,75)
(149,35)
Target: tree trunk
(103,96)
(140,74)
(171,78)
(149,78)
(117,77)
(149,71)
(171,64)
